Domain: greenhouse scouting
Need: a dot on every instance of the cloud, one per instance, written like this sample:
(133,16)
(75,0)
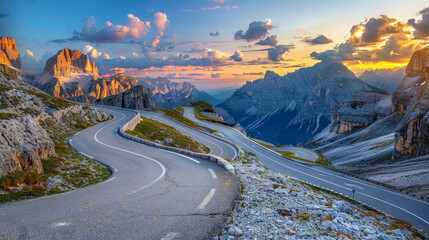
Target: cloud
(375,29)
(215,75)
(257,30)
(122,57)
(161,22)
(319,40)
(111,33)
(30,53)
(135,55)
(3,15)
(209,8)
(155,42)
(237,56)
(214,34)
(421,26)
(275,53)
(341,52)
(218,1)
(269,41)
(94,53)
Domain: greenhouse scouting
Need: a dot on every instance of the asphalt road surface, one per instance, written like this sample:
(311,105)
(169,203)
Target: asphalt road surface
(392,202)
(152,194)
(300,152)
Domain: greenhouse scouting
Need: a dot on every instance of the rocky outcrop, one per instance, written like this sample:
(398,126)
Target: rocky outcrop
(291,109)
(137,97)
(29,119)
(70,73)
(24,142)
(68,61)
(83,99)
(10,71)
(365,108)
(411,99)
(211,114)
(9,54)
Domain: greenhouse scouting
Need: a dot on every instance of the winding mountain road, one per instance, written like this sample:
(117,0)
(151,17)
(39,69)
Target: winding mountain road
(392,202)
(152,194)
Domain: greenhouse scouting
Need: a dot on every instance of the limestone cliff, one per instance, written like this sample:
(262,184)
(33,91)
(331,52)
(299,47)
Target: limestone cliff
(137,97)
(70,73)
(9,54)
(411,99)
(365,108)
(27,116)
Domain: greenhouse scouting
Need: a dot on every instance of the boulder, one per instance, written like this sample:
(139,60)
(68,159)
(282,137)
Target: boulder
(137,97)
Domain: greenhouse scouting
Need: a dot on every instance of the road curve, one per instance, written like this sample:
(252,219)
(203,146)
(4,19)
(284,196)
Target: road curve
(152,194)
(300,152)
(392,202)
(217,147)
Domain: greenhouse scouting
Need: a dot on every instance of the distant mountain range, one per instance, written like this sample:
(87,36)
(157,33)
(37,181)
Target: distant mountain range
(292,108)
(169,94)
(385,79)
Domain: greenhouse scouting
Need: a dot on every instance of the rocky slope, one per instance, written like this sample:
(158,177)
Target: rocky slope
(24,114)
(275,206)
(292,108)
(385,79)
(365,108)
(137,97)
(70,73)
(411,99)
(168,94)
(9,54)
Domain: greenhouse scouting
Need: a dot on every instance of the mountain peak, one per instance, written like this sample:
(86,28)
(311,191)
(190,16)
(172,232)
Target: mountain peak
(68,61)
(270,75)
(9,54)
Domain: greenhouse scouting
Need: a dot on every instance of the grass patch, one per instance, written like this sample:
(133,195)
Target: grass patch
(322,161)
(263,143)
(180,109)
(201,106)
(5,116)
(163,134)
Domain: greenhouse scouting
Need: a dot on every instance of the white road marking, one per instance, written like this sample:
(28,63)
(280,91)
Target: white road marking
(140,155)
(108,180)
(213,173)
(61,224)
(76,133)
(180,155)
(352,180)
(169,236)
(207,199)
(114,169)
(86,155)
(352,185)
(71,141)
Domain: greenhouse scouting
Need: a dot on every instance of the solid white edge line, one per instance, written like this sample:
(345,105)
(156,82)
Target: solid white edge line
(140,155)
(212,173)
(114,168)
(86,155)
(207,199)
(180,155)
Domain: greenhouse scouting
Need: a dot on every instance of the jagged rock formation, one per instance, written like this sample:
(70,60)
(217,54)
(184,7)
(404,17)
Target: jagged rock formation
(292,108)
(9,54)
(25,112)
(137,97)
(411,99)
(70,73)
(211,114)
(363,110)
(385,79)
(168,94)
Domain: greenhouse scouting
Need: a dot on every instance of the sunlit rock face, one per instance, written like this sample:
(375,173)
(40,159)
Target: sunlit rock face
(292,108)
(411,99)
(137,97)
(70,73)
(9,54)
(365,108)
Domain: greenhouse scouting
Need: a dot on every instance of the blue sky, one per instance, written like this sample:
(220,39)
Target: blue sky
(34,24)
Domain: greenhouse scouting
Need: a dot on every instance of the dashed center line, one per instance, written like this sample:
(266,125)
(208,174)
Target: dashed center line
(207,199)
(212,173)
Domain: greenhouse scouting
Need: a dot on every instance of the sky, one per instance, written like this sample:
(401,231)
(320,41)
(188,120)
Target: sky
(217,43)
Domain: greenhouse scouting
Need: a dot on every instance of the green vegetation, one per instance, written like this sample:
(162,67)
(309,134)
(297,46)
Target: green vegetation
(73,169)
(5,116)
(322,161)
(179,117)
(163,134)
(263,143)
(180,109)
(201,106)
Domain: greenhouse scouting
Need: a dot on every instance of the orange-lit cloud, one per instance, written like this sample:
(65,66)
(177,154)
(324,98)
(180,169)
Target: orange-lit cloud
(30,53)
